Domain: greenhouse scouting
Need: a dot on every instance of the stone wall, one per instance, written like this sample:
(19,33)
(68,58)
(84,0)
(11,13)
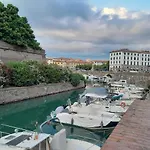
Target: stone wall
(9,95)
(139,78)
(14,53)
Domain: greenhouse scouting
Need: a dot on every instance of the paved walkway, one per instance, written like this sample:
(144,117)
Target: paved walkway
(133,131)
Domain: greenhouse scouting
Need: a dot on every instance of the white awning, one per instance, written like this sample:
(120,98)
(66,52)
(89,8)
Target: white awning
(95,95)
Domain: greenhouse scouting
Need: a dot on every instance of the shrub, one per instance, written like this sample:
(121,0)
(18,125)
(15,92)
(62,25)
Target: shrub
(75,79)
(28,73)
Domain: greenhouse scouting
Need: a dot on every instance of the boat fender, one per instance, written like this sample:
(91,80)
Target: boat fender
(123,104)
(72,121)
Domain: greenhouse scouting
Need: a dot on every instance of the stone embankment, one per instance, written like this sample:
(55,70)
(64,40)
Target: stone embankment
(14,53)
(13,94)
(139,79)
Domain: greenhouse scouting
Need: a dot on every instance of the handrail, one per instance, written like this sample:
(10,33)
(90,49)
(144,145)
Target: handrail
(5,125)
(83,137)
(1,133)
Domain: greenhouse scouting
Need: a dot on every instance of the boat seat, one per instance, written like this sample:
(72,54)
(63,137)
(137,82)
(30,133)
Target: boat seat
(59,141)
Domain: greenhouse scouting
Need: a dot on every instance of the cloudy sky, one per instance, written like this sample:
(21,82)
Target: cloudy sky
(87,28)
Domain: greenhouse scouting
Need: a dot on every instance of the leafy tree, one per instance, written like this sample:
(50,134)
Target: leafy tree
(15,29)
(75,79)
(104,67)
(84,67)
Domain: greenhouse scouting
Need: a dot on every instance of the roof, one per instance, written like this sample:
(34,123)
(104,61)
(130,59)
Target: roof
(131,51)
(95,95)
(20,139)
(102,61)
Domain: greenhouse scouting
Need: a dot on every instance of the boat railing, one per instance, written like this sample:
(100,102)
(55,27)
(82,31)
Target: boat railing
(3,133)
(16,129)
(87,139)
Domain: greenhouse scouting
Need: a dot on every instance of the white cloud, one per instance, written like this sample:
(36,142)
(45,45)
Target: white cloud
(94,9)
(121,12)
(78,27)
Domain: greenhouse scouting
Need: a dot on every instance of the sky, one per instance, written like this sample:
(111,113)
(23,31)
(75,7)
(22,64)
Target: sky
(87,29)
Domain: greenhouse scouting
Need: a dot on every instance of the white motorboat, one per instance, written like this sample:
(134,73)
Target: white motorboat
(129,91)
(28,140)
(93,120)
(98,103)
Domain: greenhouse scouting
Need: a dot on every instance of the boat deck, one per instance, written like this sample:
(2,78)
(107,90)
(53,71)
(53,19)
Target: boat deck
(133,131)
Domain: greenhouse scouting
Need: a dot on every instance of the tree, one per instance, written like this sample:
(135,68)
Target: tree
(15,29)
(104,67)
(84,67)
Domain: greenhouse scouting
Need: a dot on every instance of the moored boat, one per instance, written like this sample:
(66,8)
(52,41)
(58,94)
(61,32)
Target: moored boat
(29,140)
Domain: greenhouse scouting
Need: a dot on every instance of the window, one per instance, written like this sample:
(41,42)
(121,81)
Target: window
(124,53)
(134,58)
(142,59)
(127,62)
(128,58)
(134,63)
(128,53)
(131,58)
(124,62)
(119,53)
(116,53)
(145,59)
(131,54)
(142,63)
(124,57)
(145,63)
(137,63)
(134,54)
(131,62)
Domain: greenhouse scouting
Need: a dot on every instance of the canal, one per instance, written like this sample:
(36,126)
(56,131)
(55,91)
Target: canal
(26,113)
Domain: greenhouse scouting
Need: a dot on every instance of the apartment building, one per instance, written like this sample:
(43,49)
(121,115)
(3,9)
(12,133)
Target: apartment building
(67,62)
(99,62)
(128,60)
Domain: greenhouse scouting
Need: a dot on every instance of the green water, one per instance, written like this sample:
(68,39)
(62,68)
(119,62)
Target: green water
(26,113)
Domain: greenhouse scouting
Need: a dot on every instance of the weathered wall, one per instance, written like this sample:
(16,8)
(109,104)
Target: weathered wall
(8,95)
(14,53)
(139,79)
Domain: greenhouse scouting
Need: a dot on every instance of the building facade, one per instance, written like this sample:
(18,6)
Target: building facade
(127,60)
(99,62)
(67,62)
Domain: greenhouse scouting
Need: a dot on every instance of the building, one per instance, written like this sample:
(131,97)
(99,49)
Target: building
(128,60)
(67,62)
(99,62)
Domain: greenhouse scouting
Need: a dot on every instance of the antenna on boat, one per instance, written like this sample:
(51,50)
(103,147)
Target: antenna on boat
(69,102)
(102,124)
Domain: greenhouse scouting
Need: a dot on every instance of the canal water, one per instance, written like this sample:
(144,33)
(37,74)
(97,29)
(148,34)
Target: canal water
(26,113)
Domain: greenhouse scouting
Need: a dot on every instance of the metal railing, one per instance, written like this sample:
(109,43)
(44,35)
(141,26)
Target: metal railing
(16,129)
